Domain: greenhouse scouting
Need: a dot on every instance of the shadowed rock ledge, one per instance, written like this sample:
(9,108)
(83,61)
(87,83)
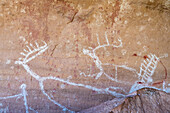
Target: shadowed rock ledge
(145,101)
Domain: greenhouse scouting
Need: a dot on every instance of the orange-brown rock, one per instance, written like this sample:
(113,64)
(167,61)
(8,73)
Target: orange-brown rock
(71,55)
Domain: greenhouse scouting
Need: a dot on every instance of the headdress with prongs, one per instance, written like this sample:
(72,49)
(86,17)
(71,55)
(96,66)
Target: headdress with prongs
(32,52)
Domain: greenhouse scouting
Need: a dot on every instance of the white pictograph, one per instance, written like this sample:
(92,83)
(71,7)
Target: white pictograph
(3,110)
(92,53)
(32,53)
(23,95)
(137,86)
(147,68)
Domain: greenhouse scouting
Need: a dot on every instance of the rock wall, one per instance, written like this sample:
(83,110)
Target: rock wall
(72,55)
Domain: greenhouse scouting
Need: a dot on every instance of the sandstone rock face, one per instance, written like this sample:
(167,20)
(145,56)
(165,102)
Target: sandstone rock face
(72,55)
(145,101)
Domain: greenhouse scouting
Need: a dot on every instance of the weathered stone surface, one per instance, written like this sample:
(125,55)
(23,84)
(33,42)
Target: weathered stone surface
(92,51)
(146,101)
(143,101)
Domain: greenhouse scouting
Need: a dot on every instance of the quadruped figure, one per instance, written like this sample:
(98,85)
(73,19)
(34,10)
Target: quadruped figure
(145,75)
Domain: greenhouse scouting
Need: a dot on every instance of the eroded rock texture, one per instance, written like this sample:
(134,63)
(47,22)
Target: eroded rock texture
(147,101)
(71,55)
(144,101)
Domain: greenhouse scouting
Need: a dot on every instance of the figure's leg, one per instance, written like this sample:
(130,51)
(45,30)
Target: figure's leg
(112,78)
(56,103)
(99,75)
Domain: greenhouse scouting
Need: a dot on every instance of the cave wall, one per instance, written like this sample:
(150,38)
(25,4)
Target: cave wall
(70,55)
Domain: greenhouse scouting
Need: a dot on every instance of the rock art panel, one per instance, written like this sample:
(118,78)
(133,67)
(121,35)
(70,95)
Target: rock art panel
(72,55)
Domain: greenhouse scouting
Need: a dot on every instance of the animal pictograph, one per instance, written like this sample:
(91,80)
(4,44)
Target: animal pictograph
(92,53)
(147,68)
(33,52)
(145,75)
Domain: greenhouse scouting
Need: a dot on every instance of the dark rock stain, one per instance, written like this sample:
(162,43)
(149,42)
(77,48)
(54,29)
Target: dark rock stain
(116,10)
(145,57)
(135,54)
